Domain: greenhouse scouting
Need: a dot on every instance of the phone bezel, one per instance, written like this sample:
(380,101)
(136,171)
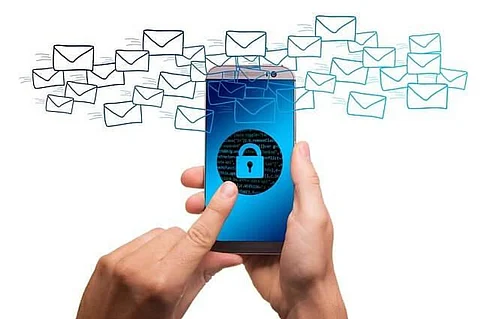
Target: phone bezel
(216,73)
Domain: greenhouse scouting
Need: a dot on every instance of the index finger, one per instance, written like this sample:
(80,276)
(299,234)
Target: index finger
(184,258)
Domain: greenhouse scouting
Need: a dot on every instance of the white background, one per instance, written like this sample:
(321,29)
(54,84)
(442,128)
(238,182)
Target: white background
(403,192)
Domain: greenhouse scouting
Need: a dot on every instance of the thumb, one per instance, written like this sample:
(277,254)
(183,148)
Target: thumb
(308,201)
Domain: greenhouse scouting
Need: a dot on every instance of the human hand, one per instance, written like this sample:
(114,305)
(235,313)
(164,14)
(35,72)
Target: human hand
(158,274)
(301,282)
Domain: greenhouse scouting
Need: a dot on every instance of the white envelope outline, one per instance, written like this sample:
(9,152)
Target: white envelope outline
(279,57)
(147,96)
(374,56)
(191,54)
(72,57)
(395,78)
(189,119)
(320,82)
(122,113)
(81,92)
(219,59)
(245,43)
(423,96)
(299,45)
(47,77)
(132,60)
(425,43)
(59,104)
(198,71)
(455,79)
(349,69)
(363,39)
(104,75)
(163,42)
(419,62)
(304,99)
(369,105)
(179,85)
(336,28)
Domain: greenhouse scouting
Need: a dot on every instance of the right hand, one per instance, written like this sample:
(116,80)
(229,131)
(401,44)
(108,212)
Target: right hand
(301,283)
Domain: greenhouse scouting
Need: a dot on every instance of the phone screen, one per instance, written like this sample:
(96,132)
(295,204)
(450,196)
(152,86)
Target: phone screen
(249,141)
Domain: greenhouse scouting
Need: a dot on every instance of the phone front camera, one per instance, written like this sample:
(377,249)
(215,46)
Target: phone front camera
(274,74)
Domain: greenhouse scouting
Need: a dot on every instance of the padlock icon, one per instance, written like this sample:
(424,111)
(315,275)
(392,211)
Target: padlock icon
(250,166)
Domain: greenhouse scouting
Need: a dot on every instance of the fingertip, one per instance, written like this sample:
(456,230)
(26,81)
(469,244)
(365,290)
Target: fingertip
(228,189)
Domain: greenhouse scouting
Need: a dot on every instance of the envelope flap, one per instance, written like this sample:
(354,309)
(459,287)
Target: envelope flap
(120,109)
(103,71)
(303,43)
(72,53)
(191,52)
(348,66)
(254,106)
(193,114)
(252,74)
(285,93)
(426,91)
(131,56)
(396,73)
(335,24)
(200,67)
(424,40)
(276,56)
(59,101)
(364,37)
(250,58)
(80,88)
(378,53)
(320,78)
(147,93)
(452,75)
(301,92)
(245,38)
(232,87)
(423,59)
(162,37)
(175,80)
(45,74)
(365,101)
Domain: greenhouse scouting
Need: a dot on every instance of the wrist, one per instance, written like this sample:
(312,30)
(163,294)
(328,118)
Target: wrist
(323,301)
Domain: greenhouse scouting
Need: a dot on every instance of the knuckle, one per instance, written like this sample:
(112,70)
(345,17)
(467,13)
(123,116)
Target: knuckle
(162,290)
(156,231)
(124,272)
(106,263)
(177,231)
(200,235)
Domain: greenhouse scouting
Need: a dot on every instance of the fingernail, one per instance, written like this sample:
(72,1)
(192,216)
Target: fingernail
(305,150)
(228,189)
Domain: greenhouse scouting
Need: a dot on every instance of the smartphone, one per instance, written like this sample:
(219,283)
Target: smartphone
(250,135)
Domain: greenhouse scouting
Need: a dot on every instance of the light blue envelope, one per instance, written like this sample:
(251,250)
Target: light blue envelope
(425,43)
(193,119)
(424,63)
(374,57)
(395,78)
(300,46)
(349,71)
(455,79)
(254,110)
(336,28)
(320,82)
(427,96)
(366,105)
(363,39)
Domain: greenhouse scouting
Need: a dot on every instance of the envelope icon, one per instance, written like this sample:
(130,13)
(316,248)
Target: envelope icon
(198,72)
(424,63)
(213,96)
(303,99)
(363,39)
(245,43)
(425,43)
(232,90)
(455,79)
(81,92)
(147,96)
(193,119)
(216,60)
(336,28)
(47,77)
(304,46)
(279,58)
(72,57)
(254,110)
(395,78)
(252,77)
(427,96)
(349,71)
(176,85)
(132,60)
(121,113)
(320,82)
(163,42)
(59,104)
(191,54)
(367,105)
(105,75)
(248,61)
(374,57)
